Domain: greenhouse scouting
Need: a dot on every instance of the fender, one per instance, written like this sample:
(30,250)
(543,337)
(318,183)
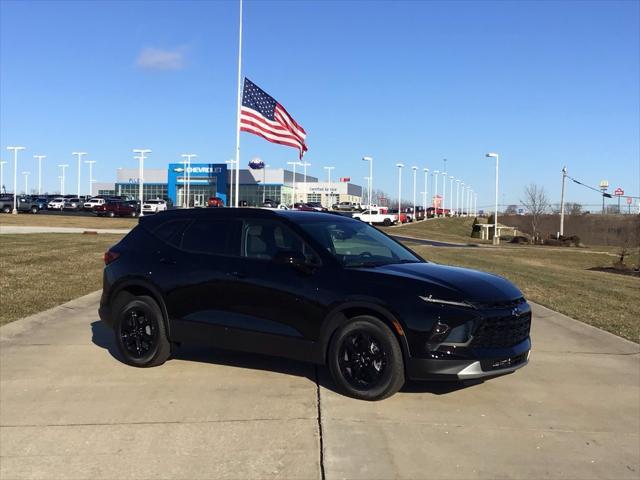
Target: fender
(336,318)
(145,284)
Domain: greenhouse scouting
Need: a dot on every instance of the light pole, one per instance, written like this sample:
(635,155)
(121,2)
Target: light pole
(328,169)
(435,193)
(15,177)
(426,191)
(462,200)
(364,197)
(468,200)
(90,163)
(400,167)
(39,158)
(451,179)
(457,197)
(294,165)
(304,181)
(231,163)
(564,176)
(496,239)
(62,178)
(264,179)
(415,171)
(79,155)
(2,187)
(444,190)
(188,157)
(26,182)
(475,204)
(370,182)
(141,153)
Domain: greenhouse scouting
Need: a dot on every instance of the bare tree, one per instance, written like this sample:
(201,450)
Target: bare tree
(573,208)
(511,210)
(537,204)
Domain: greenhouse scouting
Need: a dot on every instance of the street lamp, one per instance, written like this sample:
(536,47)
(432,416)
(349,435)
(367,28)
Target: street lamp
(400,167)
(15,177)
(264,185)
(370,182)
(451,179)
(141,153)
(435,193)
(415,170)
(462,212)
(79,154)
(62,178)
(475,204)
(426,191)
(304,181)
(90,163)
(496,239)
(26,182)
(188,157)
(2,164)
(294,165)
(39,158)
(458,197)
(328,169)
(444,190)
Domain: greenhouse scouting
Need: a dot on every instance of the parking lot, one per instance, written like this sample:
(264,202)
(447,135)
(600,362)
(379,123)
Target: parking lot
(70,409)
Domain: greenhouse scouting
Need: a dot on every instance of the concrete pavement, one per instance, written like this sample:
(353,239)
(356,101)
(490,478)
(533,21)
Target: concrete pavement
(70,409)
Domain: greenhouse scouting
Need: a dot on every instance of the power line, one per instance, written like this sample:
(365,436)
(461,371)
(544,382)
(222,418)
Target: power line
(608,195)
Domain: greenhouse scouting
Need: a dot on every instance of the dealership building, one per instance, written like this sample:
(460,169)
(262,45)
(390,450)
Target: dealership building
(206,180)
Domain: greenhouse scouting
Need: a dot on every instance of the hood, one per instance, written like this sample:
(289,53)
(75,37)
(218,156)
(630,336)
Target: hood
(455,283)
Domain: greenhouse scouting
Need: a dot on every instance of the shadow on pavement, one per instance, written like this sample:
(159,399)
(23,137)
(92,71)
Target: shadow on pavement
(103,337)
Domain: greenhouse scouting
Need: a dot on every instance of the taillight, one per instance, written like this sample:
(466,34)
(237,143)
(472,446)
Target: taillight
(110,256)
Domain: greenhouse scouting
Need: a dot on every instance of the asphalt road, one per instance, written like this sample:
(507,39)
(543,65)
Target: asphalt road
(69,409)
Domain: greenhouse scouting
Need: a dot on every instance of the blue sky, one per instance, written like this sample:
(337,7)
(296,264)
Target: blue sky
(542,83)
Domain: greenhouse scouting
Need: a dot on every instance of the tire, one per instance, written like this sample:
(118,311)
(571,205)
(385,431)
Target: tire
(140,331)
(111,214)
(382,373)
(387,222)
(6,209)
(34,210)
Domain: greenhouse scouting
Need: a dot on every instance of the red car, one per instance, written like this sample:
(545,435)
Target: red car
(304,207)
(115,209)
(215,202)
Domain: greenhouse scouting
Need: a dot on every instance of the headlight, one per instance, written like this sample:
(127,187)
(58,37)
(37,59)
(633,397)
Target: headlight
(463,303)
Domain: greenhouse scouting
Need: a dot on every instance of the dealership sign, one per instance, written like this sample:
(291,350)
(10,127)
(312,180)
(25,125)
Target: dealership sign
(198,169)
(345,179)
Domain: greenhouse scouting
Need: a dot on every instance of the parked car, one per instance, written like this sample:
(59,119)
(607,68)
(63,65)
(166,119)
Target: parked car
(93,202)
(320,288)
(27,204)
(402,217)
(303,207)
(377,216)
(6,203)
(317,206)
(56,204)
(115,209)
(72,203)
(215,202)
(154,206)
(347,206)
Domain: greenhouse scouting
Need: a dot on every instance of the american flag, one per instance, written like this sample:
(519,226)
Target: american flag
(262,115)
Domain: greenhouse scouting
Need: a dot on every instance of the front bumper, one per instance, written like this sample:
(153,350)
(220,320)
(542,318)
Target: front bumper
(501,362)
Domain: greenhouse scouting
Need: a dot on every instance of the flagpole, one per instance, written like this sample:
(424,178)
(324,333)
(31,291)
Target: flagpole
(237,179)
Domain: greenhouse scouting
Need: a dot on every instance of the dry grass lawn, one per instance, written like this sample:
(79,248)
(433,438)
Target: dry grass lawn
(40,271)
(52,220)
(456,230)
(559,279)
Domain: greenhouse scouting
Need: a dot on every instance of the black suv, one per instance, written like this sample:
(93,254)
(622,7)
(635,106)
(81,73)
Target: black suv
(317,287)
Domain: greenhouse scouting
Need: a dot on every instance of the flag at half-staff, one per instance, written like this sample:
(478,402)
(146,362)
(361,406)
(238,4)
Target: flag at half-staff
(262,115)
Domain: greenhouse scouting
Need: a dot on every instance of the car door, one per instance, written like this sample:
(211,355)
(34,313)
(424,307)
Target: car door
(279,299)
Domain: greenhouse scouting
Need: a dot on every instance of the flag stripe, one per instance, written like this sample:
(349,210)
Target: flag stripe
(266,136)
(262,128)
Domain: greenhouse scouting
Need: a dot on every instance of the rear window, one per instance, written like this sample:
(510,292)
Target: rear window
(171,231)
(209,236)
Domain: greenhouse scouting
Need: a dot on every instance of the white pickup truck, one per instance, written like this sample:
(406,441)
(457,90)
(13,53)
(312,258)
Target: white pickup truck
(377,215)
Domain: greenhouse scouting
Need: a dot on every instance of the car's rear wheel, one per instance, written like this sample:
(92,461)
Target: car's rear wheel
(386,222)
(365,359)
(140,332)
(112,214)
(34,209)
(6,209)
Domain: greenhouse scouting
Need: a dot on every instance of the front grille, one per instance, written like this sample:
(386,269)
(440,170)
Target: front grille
(499,304)
(502,331)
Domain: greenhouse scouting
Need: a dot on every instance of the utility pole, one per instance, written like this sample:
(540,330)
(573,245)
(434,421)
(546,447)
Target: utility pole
(141,153)
(62,178)
(79,154)
(39,158)
(564,176)
(328,169)
(15,177)
(415,170)
(90,163)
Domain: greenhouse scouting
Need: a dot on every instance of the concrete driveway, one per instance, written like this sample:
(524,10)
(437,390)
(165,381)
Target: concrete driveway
(69,409)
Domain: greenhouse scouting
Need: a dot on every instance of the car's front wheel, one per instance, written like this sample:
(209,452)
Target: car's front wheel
(365,359)
(140,332)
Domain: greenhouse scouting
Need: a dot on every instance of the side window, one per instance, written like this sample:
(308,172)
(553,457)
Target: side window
(209,236)
(171,231)
(264,239)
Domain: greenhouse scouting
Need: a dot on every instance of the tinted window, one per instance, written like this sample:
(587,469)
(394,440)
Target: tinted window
(171,232)
(264,239)
(209,236)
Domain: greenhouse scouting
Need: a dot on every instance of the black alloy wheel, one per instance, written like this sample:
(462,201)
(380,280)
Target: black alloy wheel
(140,331)
(365,359)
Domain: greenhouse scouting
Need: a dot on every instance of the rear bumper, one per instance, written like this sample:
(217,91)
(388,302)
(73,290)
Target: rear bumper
(468,369)
(104,312)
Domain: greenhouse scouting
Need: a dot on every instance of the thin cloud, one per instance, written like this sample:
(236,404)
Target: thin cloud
(161,59)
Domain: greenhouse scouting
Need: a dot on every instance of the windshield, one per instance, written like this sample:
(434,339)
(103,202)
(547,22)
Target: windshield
(357,244)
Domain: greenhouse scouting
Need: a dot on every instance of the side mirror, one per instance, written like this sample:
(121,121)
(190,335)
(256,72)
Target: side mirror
(294,259)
